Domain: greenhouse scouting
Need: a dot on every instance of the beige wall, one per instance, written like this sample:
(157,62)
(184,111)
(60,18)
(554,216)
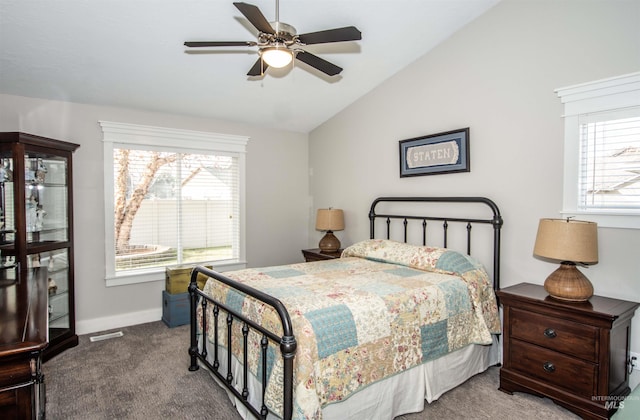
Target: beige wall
(496,76)
(276,193)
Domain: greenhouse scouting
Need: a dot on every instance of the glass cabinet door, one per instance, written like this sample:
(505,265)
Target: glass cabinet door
(47,231)
(46,214)
(56,264)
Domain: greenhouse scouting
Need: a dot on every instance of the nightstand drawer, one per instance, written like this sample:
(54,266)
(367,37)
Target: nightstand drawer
(568,337)
(575,375)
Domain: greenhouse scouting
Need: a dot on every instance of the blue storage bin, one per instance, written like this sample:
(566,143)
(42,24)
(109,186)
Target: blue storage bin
(175,308)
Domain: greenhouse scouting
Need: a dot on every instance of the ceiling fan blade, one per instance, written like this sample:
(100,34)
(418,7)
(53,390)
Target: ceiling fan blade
(318,63)
(348,33)
(258,68)
(255,16)
(220,44)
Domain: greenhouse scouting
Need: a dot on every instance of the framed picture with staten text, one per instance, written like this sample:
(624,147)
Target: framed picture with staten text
(441,153)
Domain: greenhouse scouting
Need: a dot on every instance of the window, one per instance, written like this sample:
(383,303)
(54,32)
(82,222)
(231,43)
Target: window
(602,151)
(170,204)
(609,178)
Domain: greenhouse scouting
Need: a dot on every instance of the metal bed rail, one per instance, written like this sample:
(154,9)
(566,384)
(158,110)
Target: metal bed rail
(287,341)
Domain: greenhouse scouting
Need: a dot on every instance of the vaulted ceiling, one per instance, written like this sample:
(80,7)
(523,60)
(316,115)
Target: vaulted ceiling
(130,53)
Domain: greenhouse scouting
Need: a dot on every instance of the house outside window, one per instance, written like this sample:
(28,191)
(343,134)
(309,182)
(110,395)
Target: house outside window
(173,197)
(602,151)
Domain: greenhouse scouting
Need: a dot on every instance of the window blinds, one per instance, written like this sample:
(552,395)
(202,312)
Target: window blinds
(174,208)
(609,178)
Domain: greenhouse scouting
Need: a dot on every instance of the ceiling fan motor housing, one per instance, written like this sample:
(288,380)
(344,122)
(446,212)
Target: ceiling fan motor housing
(284,29)
(285,35)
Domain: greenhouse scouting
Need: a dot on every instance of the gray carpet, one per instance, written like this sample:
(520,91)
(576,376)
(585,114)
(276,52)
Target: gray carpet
(144,375)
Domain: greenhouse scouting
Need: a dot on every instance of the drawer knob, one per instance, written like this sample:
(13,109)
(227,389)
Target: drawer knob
(549,367)
(550,333)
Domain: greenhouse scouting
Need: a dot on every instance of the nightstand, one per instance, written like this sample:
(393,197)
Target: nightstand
(575,354)
(316,255)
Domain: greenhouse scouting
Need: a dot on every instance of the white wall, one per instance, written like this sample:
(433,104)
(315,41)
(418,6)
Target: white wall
(276,192)
(496,76)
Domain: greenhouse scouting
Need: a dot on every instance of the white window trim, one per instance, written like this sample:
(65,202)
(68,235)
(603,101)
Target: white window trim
(602,95)
(127,135)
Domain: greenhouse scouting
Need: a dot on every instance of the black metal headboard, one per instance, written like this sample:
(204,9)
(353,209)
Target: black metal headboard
(496,221)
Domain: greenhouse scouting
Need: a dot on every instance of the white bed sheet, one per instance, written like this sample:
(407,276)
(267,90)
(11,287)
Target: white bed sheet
(400,394)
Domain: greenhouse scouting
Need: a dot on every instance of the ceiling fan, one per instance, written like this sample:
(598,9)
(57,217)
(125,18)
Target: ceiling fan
(279,43)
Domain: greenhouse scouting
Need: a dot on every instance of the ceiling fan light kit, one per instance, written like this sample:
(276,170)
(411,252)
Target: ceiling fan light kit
(277,57)
(279,43)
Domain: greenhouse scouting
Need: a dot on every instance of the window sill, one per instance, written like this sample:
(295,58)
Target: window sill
(158,274)
(606,220)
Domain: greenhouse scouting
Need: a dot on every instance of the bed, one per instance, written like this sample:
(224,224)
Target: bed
(396,321)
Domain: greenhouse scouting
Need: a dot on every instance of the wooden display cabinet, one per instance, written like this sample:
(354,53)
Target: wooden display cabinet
(36,224)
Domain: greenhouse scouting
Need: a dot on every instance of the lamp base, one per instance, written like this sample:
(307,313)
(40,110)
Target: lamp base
(329,243)
(567,283)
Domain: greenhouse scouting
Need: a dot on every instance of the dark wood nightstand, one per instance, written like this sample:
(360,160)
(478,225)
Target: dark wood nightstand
(316,255)
(575,354)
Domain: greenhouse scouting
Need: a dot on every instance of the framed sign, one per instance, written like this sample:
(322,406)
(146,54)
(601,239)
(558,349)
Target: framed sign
(435,154)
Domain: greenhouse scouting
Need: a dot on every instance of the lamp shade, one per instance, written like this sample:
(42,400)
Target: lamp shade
(567,240)
(330,219)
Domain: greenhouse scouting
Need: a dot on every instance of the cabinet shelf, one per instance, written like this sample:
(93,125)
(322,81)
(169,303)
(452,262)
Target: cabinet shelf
(46,184)
(55,316)
(61,292)
(49,229)
(4,266)
(57,244)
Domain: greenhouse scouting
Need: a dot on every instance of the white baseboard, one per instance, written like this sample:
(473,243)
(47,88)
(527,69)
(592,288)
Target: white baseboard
(118,321)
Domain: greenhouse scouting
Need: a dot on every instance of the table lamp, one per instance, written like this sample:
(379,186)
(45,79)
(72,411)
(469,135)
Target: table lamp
(568,241)
(329,220)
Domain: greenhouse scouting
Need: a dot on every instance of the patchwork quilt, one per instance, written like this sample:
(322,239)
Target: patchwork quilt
(383,308)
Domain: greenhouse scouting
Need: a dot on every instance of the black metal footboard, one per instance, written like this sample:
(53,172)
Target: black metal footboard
(287,341)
